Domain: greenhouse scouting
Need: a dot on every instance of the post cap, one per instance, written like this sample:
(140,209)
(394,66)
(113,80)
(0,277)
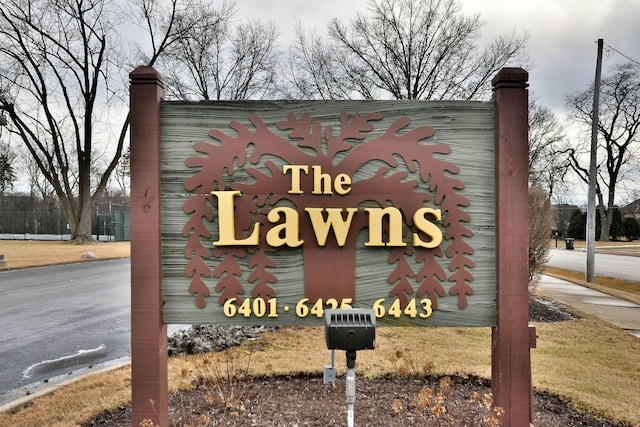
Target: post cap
(509,77)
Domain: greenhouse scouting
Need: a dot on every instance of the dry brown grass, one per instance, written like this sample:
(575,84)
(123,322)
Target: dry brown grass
(30,253)
(76,403)
(631,246)
(581,244)
(592,364)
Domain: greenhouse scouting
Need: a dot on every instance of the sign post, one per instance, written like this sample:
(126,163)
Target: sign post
(511,359)
(149,386)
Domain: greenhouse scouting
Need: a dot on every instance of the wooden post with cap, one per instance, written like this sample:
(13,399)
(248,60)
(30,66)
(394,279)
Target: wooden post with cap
(149,388)
(511,359)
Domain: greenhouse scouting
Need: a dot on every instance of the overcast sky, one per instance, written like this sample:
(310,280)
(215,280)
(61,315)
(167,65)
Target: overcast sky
(562,43)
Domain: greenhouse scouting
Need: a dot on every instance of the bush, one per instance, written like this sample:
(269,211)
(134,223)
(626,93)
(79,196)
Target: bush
(631,228)
(540,226)
(577,225)
(616,229)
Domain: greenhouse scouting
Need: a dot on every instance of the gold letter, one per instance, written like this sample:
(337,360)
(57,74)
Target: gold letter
(295,176)
(342,184)
(334,220)
(375,226)
(427,227)
(226,222)
(286,233)
(321,180)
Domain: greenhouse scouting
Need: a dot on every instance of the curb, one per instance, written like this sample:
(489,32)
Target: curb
(25,400)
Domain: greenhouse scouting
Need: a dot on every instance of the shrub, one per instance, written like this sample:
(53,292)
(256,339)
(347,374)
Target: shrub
(577,225)
(631,228)
(540,226)
(616,229)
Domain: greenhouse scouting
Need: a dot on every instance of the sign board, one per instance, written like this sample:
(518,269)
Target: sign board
(275,211)
(272,201)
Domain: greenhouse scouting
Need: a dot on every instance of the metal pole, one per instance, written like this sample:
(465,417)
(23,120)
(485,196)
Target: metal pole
(350,387)
(97,222)
(351,396)
(3,122)
(591,200)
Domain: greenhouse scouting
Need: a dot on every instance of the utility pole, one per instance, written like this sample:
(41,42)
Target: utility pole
(591,201)
(3,122)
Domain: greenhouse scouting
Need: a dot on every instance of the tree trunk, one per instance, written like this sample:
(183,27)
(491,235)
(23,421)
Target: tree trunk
(82,231)
(83,214)
(604,223)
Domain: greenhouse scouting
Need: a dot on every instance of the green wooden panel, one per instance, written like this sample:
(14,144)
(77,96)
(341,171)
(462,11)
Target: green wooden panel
(467,128)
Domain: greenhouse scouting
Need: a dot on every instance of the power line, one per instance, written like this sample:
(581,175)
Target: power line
(620,53)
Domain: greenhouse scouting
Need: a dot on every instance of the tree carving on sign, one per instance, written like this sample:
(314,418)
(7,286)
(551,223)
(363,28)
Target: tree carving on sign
(329,268)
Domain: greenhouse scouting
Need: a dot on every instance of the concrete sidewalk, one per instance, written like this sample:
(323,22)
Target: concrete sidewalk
(616,311)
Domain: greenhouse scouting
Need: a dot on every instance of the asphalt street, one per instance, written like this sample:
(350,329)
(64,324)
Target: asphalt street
(62,320)
(606,265)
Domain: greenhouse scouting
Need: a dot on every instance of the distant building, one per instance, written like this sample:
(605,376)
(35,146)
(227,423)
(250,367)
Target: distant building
(631,210)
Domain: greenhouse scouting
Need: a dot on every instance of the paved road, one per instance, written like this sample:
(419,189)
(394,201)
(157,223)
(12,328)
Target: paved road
(606,265)
(60,320)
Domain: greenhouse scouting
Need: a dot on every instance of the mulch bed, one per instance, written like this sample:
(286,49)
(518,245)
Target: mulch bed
(306,401)
(302,400)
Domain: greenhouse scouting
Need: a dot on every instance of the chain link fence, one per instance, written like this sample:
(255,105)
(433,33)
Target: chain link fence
(112,221)
(25,218)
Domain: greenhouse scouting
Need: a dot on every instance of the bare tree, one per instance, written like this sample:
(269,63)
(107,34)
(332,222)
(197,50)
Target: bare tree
(404,49)
(317,69)
(619,129)
(220,61)
(123,172)
(540,225)
(58,51)
(58,66)
(7,171)
(39,187)
(547,164)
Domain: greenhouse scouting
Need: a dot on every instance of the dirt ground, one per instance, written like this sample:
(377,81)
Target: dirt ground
(456,400)
(306,401)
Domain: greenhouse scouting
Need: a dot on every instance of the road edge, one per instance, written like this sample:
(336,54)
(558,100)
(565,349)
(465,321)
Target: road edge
(25,400)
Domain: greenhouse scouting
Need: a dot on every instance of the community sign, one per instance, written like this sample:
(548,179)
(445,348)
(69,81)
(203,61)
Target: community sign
(273,212)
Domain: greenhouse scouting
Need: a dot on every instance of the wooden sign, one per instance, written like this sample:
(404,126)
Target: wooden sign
(274,211)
